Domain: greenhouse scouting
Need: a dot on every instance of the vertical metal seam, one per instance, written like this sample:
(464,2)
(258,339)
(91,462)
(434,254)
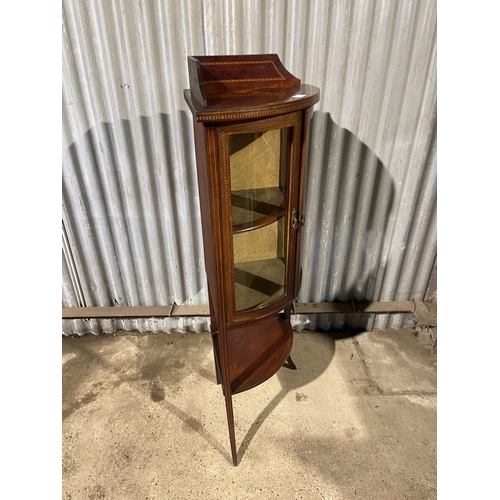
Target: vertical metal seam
(70,262)
(399,120)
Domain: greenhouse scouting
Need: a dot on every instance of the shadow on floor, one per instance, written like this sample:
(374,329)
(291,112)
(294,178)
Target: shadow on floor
(291,380)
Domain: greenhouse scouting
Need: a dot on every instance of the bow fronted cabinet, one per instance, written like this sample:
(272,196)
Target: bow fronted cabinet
(251,125)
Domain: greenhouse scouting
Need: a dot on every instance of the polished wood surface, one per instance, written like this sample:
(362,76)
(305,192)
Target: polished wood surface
(222,77)
(251,126)
(253,106)
(257,350)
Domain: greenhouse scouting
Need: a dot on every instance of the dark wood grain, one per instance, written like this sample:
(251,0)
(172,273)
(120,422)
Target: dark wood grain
(306,117)
(208,223)
(195,81)
(221,77)
(257,350)
(240,95)
(252,106)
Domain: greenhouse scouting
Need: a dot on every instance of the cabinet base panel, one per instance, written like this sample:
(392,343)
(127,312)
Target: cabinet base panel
(257,350)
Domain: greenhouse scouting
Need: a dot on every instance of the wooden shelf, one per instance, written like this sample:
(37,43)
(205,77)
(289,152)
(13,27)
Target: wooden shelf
(257,351)
(255,208)
(258,282)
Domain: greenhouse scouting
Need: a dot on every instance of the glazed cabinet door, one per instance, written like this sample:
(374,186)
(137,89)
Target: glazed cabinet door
(259,185)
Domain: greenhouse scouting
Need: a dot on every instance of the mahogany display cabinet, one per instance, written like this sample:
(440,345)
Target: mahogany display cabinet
(251,125)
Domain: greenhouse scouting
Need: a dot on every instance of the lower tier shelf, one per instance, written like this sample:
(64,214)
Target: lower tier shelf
(258,282)
(257,351)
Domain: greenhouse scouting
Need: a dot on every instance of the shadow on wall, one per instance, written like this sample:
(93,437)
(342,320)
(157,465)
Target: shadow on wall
(132,216)
(349,198)
(130,194)
(131,213)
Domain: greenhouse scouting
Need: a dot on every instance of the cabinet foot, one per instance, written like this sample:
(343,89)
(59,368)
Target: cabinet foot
(289,363)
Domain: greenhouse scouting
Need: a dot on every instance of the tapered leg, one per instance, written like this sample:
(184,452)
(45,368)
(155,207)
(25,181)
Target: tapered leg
(230,423)
(289,363)
(226,389)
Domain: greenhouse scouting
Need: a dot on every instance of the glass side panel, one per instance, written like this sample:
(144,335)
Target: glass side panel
(259,163)
(259,265)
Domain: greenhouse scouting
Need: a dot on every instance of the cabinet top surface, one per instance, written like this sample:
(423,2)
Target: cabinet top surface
(253,105)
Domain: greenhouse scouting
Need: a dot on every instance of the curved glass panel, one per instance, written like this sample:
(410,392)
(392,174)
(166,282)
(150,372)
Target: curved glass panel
(259,163)
(259,265)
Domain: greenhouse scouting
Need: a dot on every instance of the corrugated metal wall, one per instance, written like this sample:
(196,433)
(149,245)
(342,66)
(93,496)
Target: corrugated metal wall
(131,225)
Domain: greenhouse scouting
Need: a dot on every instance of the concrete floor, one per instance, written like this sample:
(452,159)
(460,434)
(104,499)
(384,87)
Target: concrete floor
(144,419)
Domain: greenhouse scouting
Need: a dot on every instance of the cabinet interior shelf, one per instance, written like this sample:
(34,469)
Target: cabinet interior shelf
(259,282)
(255,208)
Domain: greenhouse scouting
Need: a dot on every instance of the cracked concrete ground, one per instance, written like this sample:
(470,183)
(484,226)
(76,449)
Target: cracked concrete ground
(143,419)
